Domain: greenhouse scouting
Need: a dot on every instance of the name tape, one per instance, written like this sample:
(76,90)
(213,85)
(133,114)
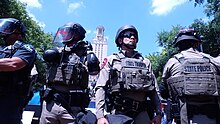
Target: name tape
(135,64)
(197,68)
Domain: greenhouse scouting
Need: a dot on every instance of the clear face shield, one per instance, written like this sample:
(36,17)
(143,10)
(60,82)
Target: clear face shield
(6,28)
(63,36)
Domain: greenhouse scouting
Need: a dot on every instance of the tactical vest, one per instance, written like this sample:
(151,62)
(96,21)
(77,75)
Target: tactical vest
(198,77)
(130,74)
(71,72)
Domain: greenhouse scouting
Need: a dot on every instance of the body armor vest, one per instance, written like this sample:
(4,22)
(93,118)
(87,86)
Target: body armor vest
(130,74)
(198,77)
(69,72)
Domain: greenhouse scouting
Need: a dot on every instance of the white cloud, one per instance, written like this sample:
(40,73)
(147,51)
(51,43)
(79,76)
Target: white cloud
(163,7)
(32,3)
(73,6)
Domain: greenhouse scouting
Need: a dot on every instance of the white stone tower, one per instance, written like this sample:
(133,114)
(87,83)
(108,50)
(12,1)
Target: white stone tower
(99,44)
(100,47)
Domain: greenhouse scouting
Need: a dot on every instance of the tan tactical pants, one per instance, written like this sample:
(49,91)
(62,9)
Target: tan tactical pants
(54,113)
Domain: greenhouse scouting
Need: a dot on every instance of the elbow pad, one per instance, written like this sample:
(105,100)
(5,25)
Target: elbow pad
(51,55)
(93,64)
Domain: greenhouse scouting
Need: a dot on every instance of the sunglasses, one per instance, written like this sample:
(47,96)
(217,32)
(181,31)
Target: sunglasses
(129,34)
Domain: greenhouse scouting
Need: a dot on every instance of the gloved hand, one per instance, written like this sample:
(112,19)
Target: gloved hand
(92,64)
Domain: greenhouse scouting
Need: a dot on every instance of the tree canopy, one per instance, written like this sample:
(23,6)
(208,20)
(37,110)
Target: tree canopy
(35,35)
(209,30)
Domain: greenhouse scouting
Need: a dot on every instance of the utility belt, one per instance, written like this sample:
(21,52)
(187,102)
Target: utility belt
(210,110)
(76,98)
(129,106)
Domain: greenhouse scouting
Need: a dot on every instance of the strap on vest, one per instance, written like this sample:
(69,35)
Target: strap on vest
(180,57)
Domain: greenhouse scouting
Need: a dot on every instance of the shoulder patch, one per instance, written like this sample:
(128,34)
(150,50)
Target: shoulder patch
(103,63)
(28,47)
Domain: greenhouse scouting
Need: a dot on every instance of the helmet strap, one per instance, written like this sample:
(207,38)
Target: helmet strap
(129,46)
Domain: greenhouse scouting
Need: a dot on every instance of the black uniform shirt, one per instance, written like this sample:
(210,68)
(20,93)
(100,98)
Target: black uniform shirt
(25,52)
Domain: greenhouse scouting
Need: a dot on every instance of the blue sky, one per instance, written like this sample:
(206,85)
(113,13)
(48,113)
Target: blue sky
(149,16)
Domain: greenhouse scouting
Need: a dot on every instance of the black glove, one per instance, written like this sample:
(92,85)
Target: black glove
(93,64)
(51,55)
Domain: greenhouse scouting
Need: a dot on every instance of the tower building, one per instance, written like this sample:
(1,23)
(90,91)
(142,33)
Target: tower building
(100,47)
(99,44)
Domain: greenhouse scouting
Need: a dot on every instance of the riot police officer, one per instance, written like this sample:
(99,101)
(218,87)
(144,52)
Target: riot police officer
(125,82)
(70,64)
(16,61)
(191,81)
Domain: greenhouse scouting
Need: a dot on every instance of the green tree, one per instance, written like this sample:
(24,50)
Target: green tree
(209,30)
(210,35)
(35,35)
(165,41)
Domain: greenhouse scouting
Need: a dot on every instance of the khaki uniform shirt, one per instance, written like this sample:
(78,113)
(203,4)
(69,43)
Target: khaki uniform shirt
(173,66)
(104,78)
(172,69)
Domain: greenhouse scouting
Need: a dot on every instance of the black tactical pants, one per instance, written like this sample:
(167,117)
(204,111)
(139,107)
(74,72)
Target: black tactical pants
(11,108)
(197,115)
(133,109)
(208,113)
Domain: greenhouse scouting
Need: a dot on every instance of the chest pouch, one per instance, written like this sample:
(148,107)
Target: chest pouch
(132,74)
(73,72)
(198,78)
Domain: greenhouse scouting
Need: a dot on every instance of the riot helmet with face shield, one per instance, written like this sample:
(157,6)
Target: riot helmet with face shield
(69,33)
(9,26)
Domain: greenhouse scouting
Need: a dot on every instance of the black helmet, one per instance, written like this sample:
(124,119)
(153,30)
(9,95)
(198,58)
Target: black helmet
(68,32)
(122,29)
(10,25)
(188,34)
